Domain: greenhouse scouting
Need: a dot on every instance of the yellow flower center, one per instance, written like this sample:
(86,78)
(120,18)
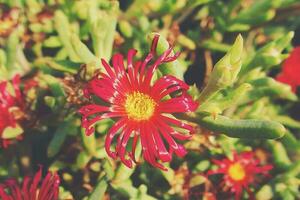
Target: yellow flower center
(236,172)
(139,106)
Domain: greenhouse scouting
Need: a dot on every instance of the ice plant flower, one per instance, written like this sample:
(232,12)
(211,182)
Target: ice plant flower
(142,109)
(240,172)
(290,73)
(33,188)
(11,105)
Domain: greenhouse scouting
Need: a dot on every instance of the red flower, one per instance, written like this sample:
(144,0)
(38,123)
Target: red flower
(240,172)
(10,106)
(142,109)
(290,73)
(32,188)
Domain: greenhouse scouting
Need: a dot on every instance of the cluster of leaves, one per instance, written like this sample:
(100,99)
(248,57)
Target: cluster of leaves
(59,43)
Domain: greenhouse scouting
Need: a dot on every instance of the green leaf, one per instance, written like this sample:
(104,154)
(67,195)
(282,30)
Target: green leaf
(99,191)
(11,132)
(243,128)
(123,172)
(50,101)
(109,168)
(82,159)
(290,142)
(225,71)
(11,50)
(288,121)
(265,193)
(89,142)
(54,84)
(63,28)
(269,55)
(60,65)
(102,24)
(202,165)
(269,87)
(142,193)
(186,42)
(126,188)
(85,55)
(215,46)
(125,28)
(59,138)
(258,12)
(52,42)
(280,156)
(220,102)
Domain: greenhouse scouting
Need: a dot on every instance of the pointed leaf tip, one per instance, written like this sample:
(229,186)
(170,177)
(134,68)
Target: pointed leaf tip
(236,50)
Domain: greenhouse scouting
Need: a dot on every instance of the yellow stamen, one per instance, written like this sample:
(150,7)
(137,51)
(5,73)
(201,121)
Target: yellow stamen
(139,106)
(236,172)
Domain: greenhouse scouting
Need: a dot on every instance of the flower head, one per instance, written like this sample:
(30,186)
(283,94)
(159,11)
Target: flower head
(11,106)
(142,109)
(33,188)
(290,73)
(239,172)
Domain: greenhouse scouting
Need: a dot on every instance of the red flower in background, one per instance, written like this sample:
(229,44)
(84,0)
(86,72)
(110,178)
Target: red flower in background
(33,188)
(290,73)
(240,172)
(11,105)
(142,109)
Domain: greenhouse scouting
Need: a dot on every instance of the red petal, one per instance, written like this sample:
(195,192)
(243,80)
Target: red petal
(92,109)
(180,104)
(154,44)
(176,134)
(111,134)
(122,146)
(108,68)
(178,148)
(178,123)
(164,155)
(148,156)
(36,180)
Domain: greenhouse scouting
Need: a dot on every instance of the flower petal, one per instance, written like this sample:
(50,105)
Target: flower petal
(183,103)
(147,154)
(121,147)
(111,134)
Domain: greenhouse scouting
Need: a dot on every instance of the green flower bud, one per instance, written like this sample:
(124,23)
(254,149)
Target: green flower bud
(225,71)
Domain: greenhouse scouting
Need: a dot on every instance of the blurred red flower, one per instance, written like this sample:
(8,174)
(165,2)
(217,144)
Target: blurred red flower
(11,105)
(290,73)
(33,188)
(142,109)
(239,172)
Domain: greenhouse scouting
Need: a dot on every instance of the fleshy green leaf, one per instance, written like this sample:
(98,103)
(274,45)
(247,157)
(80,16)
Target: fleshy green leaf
(99,191)
(241,128)
(11,132)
